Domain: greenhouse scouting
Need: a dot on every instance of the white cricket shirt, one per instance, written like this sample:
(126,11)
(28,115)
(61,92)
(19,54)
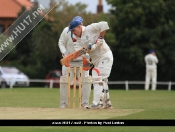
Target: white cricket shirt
(90,34)
(151,61)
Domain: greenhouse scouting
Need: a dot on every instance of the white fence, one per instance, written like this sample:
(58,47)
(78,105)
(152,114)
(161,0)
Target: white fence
(126,83)
(169,84)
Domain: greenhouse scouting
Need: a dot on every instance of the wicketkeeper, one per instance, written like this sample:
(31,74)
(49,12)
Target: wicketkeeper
(67,46)
(101,55)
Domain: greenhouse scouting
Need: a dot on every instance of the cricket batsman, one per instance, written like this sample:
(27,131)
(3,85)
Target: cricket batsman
(101,55)
(67,46)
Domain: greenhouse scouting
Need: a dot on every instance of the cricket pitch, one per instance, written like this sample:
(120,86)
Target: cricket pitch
(58,113)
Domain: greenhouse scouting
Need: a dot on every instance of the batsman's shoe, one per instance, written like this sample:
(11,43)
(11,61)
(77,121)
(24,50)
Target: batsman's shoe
(108,105)
(100,105)
(93,106)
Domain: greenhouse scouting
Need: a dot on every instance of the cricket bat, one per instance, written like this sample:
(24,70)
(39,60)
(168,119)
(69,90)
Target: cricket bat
(67,59)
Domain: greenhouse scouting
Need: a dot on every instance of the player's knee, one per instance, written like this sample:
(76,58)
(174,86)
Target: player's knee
(87,80)
(97,80)
(63,79)
(105,80)
(63,85)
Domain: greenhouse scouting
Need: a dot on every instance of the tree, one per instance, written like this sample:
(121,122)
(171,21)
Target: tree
(21,30)
(6,45)
(140,26)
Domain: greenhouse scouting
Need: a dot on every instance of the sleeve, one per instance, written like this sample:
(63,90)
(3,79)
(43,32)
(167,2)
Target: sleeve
(145,58)
(63,41)
(100,27)
(156,60)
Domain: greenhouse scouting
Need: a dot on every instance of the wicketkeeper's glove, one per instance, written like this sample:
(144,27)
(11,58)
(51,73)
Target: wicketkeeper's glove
(64,54)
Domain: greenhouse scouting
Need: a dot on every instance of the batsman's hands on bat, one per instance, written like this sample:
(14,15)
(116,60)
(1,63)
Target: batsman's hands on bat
(92,47)
(98,42)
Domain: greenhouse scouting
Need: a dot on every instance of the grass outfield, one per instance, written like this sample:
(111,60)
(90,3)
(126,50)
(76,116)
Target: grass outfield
(43,103)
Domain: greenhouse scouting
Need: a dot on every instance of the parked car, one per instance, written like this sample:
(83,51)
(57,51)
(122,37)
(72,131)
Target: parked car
(11,76)
(55,76)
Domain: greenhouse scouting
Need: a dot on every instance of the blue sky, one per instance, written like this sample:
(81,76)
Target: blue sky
(92,4)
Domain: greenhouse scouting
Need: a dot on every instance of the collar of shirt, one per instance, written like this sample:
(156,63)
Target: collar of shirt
(83,29)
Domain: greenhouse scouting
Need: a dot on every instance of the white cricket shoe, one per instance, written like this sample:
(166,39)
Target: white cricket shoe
(93,106)
(108,105)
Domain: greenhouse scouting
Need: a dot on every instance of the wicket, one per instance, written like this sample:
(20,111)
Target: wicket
(74,87)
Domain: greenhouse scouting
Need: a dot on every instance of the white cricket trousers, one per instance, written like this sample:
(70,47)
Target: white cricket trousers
(151,75)
(104,65)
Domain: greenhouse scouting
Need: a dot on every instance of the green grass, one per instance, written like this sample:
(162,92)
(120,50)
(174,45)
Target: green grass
(155,104)
(87,129)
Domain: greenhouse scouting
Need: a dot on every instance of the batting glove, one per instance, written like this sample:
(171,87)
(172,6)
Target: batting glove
(92,47)
(89,46)
(99,41)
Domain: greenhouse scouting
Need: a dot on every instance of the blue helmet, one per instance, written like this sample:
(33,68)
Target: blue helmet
(151,51)
(75,22)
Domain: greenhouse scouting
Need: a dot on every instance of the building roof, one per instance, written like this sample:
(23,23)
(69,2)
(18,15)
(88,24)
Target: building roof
(11,8)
